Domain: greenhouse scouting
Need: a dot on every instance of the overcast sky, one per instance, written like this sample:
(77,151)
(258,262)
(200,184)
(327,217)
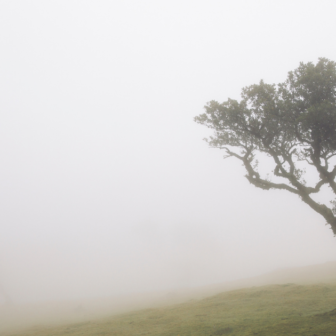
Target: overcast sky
(106,186)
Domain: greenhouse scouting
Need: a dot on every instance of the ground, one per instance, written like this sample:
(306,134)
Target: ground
(287,309)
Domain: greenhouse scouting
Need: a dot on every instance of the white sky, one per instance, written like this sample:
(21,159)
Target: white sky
(106,186)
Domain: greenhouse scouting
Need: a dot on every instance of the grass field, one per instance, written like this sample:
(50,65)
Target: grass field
(287,309)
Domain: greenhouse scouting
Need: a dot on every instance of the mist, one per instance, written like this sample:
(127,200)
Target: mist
(106,187)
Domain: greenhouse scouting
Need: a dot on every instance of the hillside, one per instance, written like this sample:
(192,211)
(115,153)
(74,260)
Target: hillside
(307,299)
(287,309)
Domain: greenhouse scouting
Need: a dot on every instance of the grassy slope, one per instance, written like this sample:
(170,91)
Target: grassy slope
(269,310)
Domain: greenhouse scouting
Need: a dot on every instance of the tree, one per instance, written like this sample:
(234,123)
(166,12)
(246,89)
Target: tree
(293,123)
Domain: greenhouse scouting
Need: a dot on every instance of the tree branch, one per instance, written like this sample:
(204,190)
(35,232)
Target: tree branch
(300,190)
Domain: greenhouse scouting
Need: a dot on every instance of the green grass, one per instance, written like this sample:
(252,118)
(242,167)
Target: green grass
(265,311)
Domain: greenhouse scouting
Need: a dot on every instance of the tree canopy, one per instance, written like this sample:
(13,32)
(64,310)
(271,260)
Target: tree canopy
(293,123)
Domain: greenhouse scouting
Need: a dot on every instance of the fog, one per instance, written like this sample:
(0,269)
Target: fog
(106,186)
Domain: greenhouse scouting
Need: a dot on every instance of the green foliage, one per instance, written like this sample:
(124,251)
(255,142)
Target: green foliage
(292,122)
